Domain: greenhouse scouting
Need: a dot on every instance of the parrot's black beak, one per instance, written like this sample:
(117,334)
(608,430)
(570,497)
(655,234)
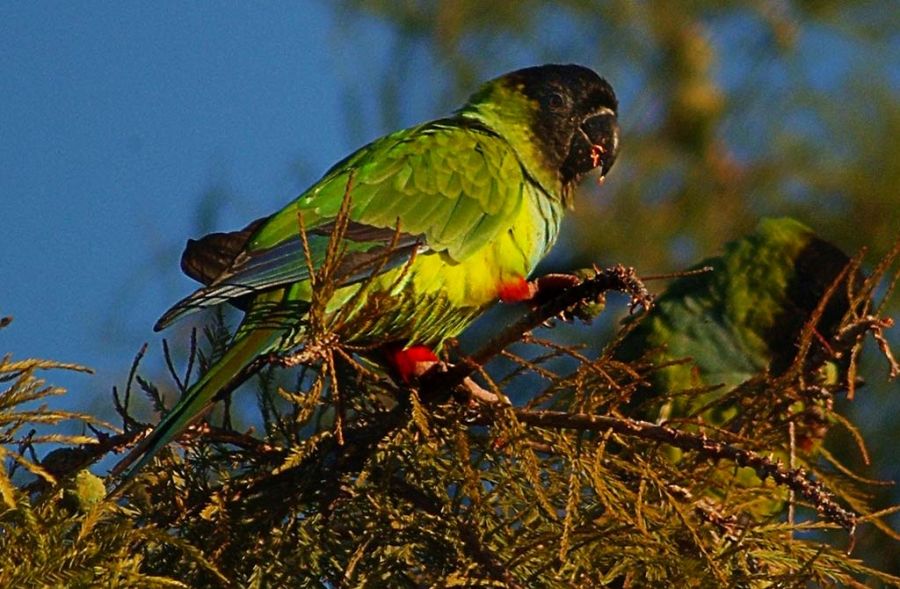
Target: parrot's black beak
(594,144)
(602,132)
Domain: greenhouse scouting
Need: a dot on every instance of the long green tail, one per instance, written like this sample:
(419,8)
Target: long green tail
(229,371)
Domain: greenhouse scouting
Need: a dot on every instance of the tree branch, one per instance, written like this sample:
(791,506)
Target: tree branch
(796,479)
(321,472)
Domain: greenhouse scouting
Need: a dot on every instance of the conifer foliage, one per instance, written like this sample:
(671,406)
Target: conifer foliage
(525,462)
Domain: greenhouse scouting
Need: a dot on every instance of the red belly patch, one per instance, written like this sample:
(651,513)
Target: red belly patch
(516,290)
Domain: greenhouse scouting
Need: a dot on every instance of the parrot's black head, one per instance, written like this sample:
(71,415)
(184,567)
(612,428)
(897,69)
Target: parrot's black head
(574,122)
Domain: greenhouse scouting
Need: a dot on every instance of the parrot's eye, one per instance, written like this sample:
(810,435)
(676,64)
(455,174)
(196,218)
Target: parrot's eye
(556,101)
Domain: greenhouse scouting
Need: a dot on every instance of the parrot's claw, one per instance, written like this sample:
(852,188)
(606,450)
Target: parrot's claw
(550,285)
(415,364)
(476,392)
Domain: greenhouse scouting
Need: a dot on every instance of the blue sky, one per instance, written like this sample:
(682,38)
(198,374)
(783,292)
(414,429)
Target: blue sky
(115,119)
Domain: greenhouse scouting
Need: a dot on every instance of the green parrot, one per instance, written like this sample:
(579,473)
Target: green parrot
(742,318)
(444,219)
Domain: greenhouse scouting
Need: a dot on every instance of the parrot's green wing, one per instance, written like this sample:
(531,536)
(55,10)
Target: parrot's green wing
(743,317)
(409,191)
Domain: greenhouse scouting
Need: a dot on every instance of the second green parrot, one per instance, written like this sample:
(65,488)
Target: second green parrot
(741,319)
(443,219)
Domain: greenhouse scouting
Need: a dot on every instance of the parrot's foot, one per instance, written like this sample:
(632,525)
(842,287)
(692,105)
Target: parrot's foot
(551,285)
(518,290)
(414,361)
